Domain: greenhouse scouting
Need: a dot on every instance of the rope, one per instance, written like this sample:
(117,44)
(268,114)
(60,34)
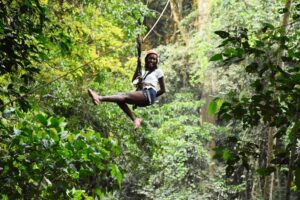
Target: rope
(161,14)
(52,81)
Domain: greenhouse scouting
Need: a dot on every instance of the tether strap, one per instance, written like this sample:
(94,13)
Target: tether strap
(149,72)
(139,52)
(149,96)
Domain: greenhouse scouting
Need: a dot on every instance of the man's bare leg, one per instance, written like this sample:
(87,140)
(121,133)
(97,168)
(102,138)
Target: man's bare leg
(136,121)
(121,100)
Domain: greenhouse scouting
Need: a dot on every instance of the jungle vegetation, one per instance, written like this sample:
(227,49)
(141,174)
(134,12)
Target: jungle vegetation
(227,128)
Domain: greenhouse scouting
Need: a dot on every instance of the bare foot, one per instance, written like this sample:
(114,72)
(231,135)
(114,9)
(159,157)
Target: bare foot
(94,96)
(137,123)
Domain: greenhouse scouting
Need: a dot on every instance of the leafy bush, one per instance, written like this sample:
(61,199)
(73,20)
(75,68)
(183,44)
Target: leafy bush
(40,159)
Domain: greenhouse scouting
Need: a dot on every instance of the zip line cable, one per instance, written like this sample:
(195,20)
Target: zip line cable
(161,14)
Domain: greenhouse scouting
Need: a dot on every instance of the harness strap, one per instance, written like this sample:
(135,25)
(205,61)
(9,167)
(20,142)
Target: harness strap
(149,97)
(139,52)
(145,75)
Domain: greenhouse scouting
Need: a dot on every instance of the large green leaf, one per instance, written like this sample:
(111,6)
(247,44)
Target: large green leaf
(115,172)
(42,119)
(212,107)
(222,34)
(216,57)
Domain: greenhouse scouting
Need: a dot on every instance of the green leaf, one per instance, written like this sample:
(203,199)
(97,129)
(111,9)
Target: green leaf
(266,171)
(115,172)
(53,134)
(54,122)
(222,34)
(294,131)
(25,106)
(19,189)
(224,43)
(218,153)
(227,155)
(212,107)
(216,57)
(4,197)
(99,193)
(282,10)
(270,26)
(49,183)
(33,69)
(42,119)
(35,166)
(233,52)
(23,89)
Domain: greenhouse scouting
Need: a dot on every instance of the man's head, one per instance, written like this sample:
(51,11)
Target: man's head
(151,60)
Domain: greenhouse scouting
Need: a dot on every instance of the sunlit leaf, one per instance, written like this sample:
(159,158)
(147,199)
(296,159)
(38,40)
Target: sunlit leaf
(212,107)
(114,170)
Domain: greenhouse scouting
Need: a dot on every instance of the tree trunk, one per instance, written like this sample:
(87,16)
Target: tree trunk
(269,180)
(203,13)
(255,182)
(292,156)
(286,16)
(176,10)
(285,21)
(208,92)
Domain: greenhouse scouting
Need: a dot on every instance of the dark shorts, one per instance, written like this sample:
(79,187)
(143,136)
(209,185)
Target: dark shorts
(150,95)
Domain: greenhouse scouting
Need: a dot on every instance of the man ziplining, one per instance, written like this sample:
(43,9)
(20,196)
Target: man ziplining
(147,84)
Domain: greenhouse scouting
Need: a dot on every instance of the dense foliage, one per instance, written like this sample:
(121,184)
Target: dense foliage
(268,97)
(41,159)
(227,128)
